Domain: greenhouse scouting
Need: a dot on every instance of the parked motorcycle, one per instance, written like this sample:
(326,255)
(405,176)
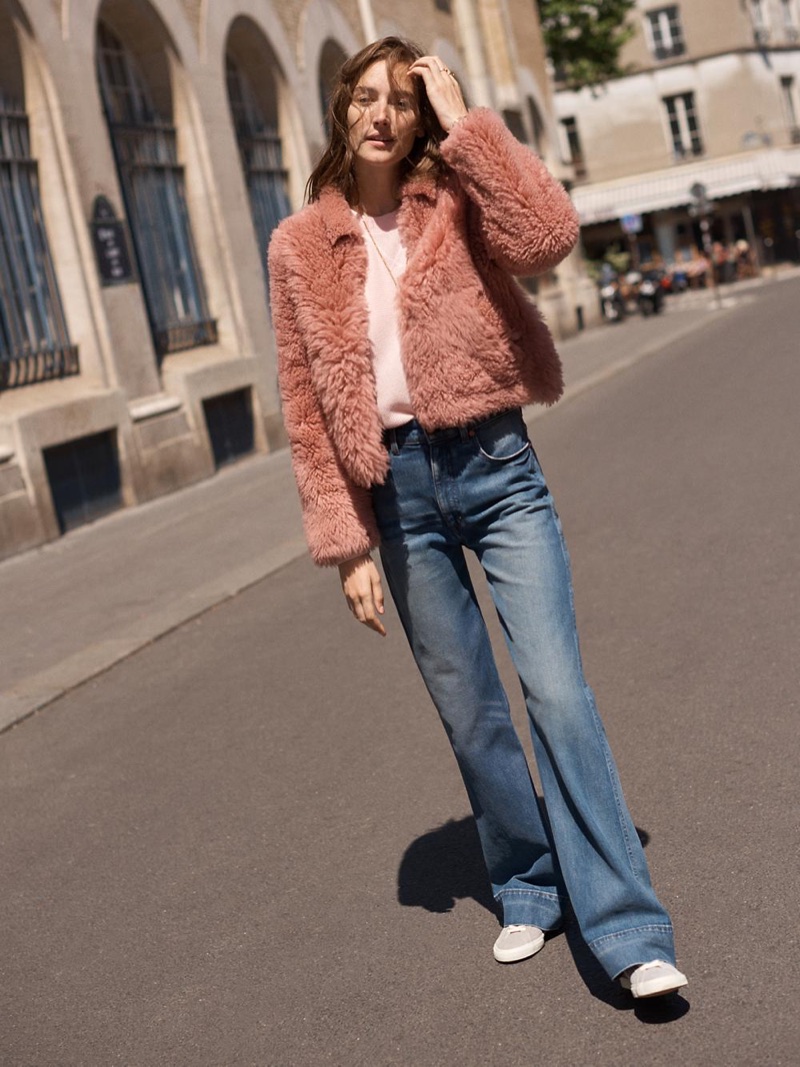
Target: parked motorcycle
(612,302)
(650,293)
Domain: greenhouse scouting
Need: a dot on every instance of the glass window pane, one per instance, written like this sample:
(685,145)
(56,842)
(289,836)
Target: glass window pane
(261,155)
(153,188)
(34,343)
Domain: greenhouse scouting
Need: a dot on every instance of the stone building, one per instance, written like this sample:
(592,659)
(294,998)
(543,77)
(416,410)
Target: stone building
(712,100)
(147,149)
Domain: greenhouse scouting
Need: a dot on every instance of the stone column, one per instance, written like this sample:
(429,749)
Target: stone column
(368,27)
(469,29)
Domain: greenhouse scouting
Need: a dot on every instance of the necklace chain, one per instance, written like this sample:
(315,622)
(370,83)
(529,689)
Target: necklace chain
(377,249)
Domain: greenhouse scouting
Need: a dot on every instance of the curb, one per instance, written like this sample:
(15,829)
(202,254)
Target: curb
(35,692)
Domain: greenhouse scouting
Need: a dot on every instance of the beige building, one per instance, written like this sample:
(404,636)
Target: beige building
(147,149)
(713,99)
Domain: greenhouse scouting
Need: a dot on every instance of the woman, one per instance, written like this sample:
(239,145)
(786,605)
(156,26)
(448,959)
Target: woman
(406,349)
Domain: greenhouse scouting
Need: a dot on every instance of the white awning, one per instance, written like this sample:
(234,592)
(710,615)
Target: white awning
(771,168)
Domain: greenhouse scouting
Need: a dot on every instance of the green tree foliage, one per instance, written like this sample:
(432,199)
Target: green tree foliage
(584,38)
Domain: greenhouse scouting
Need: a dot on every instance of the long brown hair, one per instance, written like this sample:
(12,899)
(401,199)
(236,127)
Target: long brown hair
(336,164)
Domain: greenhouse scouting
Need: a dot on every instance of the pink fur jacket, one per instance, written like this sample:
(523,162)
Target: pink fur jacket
(472,343)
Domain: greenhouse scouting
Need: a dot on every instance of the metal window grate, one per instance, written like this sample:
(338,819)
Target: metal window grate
(34,342)
(262,158)
(153,187)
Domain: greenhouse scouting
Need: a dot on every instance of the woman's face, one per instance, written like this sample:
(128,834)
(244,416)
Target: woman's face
(384,120)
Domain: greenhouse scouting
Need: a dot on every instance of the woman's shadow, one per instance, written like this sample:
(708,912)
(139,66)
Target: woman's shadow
(446,865)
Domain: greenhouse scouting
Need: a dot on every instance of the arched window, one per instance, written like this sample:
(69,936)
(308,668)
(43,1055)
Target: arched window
(255,120)
(330,60)
(34,343)
(538,127)
(152,182)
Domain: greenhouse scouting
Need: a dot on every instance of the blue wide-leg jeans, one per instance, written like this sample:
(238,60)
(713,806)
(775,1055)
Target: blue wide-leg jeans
(480,487)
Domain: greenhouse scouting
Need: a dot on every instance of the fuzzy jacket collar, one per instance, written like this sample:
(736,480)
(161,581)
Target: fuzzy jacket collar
(339,219)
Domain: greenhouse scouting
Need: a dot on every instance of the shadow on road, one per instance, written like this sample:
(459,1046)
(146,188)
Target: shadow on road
(446,865)
(655,1010)
(443,866)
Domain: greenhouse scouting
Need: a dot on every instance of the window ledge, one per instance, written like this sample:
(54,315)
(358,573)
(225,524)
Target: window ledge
(39,396)
(152,406)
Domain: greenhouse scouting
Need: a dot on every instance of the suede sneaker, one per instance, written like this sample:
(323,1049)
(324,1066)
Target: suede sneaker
(517,943)
(653,979)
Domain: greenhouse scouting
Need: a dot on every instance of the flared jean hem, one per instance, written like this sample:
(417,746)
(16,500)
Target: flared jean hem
(628,948)
(531,907)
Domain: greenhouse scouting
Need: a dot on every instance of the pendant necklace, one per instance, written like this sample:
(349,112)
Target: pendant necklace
(377,248)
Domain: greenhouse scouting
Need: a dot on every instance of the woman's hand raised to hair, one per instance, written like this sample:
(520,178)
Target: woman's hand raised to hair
(442,89)
(361,584)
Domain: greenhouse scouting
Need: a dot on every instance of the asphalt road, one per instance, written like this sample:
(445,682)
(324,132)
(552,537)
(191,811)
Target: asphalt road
(247,844)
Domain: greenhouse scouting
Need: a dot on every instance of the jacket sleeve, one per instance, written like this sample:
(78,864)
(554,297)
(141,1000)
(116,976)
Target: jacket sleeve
(526,219)
(338,516)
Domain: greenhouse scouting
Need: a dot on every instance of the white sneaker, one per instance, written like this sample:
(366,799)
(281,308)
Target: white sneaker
(517,943)
(653,979)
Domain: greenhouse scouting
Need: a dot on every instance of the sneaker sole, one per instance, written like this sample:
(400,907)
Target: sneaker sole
(524,952)
(654,988)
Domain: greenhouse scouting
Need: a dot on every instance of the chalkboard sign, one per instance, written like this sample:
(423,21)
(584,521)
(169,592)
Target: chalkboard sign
(110,238)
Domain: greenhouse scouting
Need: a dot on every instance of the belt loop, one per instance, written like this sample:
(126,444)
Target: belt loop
(464,433)
(395,448)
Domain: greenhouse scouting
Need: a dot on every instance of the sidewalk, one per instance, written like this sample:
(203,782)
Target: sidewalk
(75,607)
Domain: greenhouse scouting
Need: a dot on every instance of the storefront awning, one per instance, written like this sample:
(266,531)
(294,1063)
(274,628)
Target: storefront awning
(770,168)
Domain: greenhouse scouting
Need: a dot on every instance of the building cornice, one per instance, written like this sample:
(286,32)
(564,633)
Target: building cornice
(686,61)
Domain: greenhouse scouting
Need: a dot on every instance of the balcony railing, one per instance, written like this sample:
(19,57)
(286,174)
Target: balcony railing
(669,51)
(30,367)
(580,168)
(180,336)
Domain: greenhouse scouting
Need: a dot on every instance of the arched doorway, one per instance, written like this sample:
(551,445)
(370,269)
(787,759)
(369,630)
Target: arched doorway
(538,128)
(331,59)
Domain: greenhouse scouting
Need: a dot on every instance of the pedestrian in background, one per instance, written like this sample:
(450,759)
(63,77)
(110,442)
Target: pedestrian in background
(406,350)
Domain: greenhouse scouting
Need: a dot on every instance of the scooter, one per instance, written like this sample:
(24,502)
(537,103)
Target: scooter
(612,304)
(650,295)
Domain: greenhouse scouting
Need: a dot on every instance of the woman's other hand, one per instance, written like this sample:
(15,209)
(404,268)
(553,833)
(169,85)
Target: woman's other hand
(443,90)
(361,584)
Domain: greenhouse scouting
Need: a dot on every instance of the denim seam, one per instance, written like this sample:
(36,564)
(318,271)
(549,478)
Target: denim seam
(435,478)
(622,935)
(530,893)
(614,789)
(595,717)
(500,460)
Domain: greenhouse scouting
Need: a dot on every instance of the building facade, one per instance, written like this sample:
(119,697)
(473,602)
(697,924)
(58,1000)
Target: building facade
(147,149)
(712,100)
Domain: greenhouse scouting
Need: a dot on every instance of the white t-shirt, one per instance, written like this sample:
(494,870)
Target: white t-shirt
(384,268)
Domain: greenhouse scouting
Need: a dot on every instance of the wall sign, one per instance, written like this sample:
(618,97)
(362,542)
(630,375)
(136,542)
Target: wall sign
(110,239)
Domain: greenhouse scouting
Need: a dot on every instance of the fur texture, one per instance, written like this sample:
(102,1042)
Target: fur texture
(472,342)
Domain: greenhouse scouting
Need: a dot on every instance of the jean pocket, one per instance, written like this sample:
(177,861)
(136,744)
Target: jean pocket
(503,439)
